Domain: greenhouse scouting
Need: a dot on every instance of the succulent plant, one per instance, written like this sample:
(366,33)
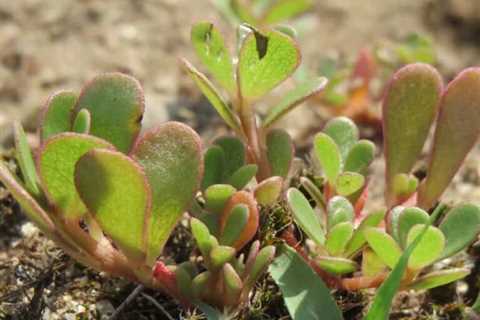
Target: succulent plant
(247,78)
(352,250)
(107,195)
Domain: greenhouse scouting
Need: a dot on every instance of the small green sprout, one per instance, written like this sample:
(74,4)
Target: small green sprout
(265,59)
(105,194)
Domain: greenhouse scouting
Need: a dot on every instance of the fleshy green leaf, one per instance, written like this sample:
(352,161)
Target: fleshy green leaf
(246,198)
(328,154)
(183,279)
(214,163)
(202,236)
(394,215)
(25,161)
(82,122)
(232,283)
(360,156)
(171,157)
(32,209)
(268,191)
(456,132)
(221,255)
(343,132)
(404,185)
(116,103)
(115,190)
(262,261)
(409,108)
(265,60)
(57,114)
(243,176)
(304,216)
(236,222)
(372,265)
(382,302)
(336,265)
(279,152)
(339,210)
(349,182)
(234,151)
(294,98)
(384,246)
(210,47)
(212,94)
(428,249)
(56,167)
(358,238)
(286,9)
(461,227)
(338,237)
(438,278)
(304,293)
(407,219)
(216,197)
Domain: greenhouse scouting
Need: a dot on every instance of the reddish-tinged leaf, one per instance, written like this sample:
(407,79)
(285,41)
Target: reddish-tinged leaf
(241,197)
(409,108)
(116,103)
(172,159)
(57,114)
(456,132)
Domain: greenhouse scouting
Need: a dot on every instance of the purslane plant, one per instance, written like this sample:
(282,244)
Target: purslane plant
(265,59)
(340,232)
(107,195)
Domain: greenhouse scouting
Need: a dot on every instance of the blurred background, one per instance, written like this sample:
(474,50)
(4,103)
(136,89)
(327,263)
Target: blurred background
(47,45)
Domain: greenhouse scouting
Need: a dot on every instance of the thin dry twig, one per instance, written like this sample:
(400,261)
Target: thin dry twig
(127,301)
(158,305)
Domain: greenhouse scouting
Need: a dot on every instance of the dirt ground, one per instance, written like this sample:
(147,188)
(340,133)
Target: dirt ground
(47,45)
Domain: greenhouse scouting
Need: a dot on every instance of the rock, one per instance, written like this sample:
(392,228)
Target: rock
(105,309)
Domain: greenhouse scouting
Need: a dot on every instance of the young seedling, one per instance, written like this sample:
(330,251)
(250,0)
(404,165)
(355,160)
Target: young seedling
(351,250)
(265,59)
(262,14)
(105,194)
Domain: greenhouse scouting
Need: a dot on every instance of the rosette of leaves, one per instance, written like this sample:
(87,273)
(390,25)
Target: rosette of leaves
(334,237)
(225,222)
(105,194)
(262,13)
(265,59)
(457,230)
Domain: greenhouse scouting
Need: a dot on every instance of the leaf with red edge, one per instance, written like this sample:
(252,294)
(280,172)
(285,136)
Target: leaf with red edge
(409,108)
(241,197)
(116,104)
(172,159)
(57,114)
(456,133)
